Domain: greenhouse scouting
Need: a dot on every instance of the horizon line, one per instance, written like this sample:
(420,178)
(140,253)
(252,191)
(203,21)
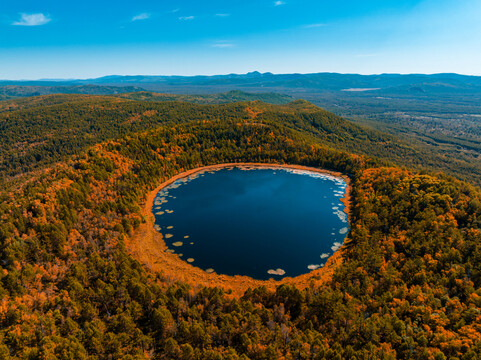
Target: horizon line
(240,74)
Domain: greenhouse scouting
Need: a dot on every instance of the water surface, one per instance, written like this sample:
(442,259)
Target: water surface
(259,222)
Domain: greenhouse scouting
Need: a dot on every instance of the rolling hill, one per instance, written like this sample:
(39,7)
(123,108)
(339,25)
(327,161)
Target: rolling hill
(221,98)
(16,91)
(39,131)
(436,114)
(49,128)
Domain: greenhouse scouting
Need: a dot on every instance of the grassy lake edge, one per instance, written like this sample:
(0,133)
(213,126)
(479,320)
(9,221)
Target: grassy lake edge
(148,247)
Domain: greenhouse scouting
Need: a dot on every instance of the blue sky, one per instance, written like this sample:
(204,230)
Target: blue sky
(81,39)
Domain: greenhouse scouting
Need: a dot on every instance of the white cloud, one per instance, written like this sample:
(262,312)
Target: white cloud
(142,16)
(314,25)
(222,15)
(32,20)
(187,17)
(279,3)
(223,45)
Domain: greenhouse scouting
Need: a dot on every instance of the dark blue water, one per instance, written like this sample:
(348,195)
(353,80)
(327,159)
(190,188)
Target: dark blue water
(247,222)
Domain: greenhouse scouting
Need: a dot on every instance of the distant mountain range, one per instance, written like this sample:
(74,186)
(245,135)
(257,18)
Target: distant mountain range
(287,83)
(320,81)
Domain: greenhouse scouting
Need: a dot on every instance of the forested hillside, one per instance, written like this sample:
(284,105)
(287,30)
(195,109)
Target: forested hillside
(49,128)
(19,91)
(438,114)
(409,285)
(46,129)
(221,98)
(29,102)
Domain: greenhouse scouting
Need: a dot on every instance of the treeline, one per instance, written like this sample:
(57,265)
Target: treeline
(409,286)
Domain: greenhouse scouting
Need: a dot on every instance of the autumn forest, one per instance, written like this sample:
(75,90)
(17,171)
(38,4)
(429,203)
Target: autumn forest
(76,171)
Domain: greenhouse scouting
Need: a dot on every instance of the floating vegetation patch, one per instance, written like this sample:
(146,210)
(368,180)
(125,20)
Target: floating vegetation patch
(279,272)
(190,260)
(178,183)
(343,231)
(169,227)
(186,236)
(168,236)
(209,271)
(325,255)
(336,246)
(177,243)
(159,213)
(341,215)
(314,266)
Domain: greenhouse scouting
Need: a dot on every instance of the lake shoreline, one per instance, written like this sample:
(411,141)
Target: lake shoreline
(148,246)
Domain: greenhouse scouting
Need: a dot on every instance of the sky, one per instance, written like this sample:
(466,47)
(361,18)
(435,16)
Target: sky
(86,39)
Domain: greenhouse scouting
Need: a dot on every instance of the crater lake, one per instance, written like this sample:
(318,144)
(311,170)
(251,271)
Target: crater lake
(262,222)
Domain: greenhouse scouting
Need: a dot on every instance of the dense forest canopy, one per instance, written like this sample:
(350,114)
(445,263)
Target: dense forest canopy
(27,90)
(15,92)
(40,131)
(54,126)
(409,285)
(221,98)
